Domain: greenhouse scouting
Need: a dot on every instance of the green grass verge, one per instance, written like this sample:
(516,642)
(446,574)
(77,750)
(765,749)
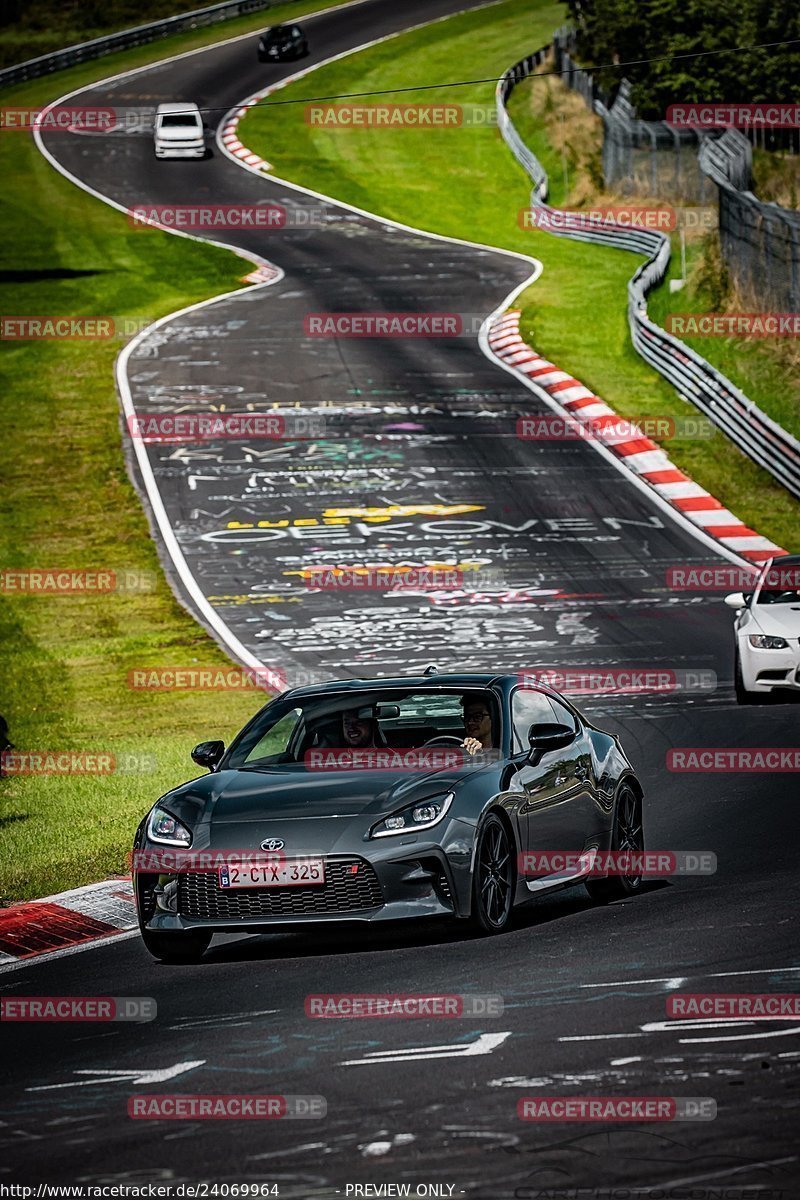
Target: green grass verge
(66,501)
(50,25)
(464,182)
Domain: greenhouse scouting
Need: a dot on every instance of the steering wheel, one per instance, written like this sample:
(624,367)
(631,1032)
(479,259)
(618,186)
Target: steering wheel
(444,739)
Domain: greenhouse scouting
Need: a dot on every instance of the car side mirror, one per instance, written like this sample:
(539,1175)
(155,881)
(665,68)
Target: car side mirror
(736,600)
(208,754)
(544,736)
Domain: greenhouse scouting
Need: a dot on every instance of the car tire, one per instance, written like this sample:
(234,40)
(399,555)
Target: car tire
(627,834)
(494,878)
(176,947)
(742,694)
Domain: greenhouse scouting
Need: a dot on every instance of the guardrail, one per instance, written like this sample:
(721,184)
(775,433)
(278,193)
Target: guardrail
(696,380)
(140,35)
(760,240)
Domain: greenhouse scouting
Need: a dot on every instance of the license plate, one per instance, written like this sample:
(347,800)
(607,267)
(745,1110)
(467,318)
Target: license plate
(295,872)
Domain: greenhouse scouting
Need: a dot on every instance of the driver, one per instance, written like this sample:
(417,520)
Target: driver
(477,723)
(358,730)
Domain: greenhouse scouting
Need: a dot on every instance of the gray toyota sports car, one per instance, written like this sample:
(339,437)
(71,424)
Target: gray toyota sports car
(372,800)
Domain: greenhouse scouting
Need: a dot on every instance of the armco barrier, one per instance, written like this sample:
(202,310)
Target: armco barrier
(126,38)
(761,438)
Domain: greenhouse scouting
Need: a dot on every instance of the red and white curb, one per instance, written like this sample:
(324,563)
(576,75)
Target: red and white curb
(58,924)
(230,139)
(639,454)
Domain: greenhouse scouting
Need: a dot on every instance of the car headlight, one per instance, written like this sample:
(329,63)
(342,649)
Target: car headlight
(163,827)
(421,815)
(762,642)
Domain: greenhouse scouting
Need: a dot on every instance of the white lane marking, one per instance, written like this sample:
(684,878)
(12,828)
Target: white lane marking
(760,971)
(693,1023)
(137,1076)
(698,1024)
(674,982)
(599,1037)
(743,1037)
(770,1162)
(624,1062)
(230,1021)
(486,1043)
(34,960)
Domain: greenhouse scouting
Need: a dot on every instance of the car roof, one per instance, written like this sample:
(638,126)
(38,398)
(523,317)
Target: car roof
(786,560)
(467,681)
(178,107)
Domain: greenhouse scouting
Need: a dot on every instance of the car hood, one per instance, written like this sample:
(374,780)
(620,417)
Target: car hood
(779,620)
(225,797)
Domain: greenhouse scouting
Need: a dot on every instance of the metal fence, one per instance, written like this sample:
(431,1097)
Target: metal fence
(760,241)
(639,157)
(694,379)
(139,36)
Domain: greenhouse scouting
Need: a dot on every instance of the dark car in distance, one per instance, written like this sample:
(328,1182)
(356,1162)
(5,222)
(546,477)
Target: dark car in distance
(282,43)
(376,800)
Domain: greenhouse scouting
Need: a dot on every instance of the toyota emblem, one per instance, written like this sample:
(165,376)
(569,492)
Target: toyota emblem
(273,844)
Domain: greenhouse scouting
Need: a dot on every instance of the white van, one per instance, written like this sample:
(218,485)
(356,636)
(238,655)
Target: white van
(179,131)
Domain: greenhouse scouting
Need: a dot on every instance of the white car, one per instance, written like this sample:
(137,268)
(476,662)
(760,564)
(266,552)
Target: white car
(179,131)
(767,631)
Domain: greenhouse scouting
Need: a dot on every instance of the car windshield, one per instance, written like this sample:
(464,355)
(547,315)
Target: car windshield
(781,583)
(180,120)
(288,730)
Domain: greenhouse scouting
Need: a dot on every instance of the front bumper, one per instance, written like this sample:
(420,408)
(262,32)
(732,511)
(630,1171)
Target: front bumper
(167,151)
(396,883)
(765,670)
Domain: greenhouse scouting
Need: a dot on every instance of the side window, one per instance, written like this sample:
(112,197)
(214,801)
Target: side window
(275,742)
(562,714)
(527,707)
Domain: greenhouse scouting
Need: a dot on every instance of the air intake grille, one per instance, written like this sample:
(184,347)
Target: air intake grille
(200,896)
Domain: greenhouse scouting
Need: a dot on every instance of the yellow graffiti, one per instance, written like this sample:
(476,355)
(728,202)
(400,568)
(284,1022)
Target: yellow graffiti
(343,516)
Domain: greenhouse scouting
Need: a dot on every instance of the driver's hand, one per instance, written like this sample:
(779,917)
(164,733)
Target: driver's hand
(471,745)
